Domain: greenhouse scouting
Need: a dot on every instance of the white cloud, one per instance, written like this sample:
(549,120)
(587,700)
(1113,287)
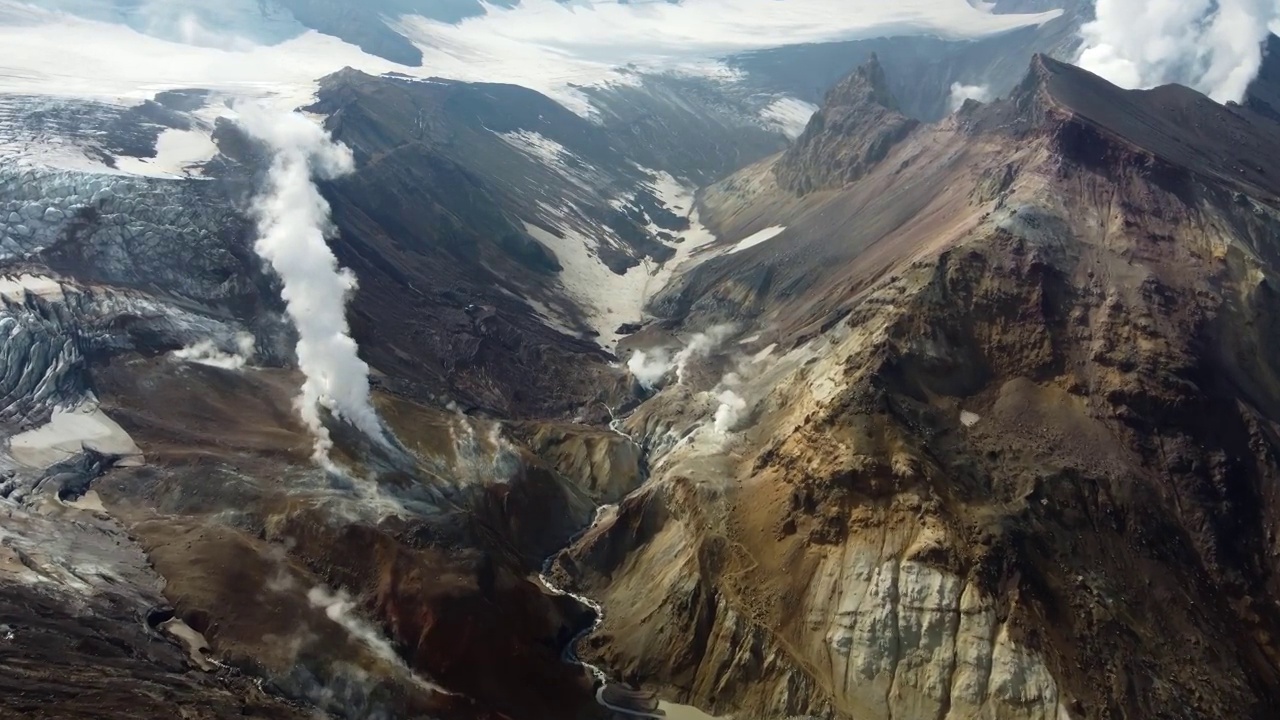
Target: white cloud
(1214,46)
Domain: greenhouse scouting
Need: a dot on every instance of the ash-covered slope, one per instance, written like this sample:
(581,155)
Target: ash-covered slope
(1003,436)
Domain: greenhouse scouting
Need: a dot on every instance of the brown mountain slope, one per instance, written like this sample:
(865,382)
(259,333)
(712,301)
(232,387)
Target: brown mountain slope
(1009,446)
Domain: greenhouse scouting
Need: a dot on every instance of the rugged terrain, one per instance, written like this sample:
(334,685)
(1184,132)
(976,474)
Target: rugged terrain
(1008,436)
(923,414)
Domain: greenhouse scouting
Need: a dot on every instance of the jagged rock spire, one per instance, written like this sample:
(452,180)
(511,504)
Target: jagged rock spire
(858,124)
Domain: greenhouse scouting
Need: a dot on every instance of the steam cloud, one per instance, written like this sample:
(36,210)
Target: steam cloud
(207,352)
(491,459)
(293,221)
(650,368)
(961,92)
(1214,46)
(730,411)
(341,609)
(700,346)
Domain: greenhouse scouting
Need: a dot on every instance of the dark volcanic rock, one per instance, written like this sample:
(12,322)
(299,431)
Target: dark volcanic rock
(686,126)
(336,589)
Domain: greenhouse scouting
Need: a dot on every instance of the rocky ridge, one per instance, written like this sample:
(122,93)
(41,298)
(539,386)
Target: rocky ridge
(1012,450)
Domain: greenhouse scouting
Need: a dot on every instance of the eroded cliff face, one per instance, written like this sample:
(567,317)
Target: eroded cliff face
(1009,444)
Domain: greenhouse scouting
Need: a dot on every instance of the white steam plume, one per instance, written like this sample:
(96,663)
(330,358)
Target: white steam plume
(481,461)
(341,609)
(961,92)
(700,345)
(730,411)
(649,368)
(1214,46)
(207,352)
(293,220)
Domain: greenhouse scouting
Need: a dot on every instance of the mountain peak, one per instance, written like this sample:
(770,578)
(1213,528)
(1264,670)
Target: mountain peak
(1173,125)
(858,124)
(866,84)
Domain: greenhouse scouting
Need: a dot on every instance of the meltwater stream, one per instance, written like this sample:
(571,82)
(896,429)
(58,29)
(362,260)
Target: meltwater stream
(665,711)
(570,654)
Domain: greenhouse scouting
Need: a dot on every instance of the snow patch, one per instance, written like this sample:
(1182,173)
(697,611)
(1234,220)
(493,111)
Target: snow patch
(70,432)
(179,154)
(763,354)
(969,419)
(537,146)
(788,115)
(552,154)
(758,238)
(16,289)
(607,299)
